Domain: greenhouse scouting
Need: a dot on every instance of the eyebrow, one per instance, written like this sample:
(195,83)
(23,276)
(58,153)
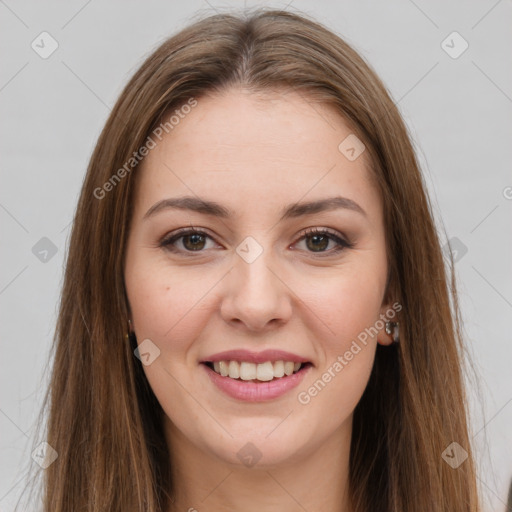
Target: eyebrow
(292,211)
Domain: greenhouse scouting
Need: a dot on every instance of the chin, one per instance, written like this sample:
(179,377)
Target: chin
(259,448)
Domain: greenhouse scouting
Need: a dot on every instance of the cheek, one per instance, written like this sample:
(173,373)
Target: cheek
(331,397)
(346,307)
(350,307)
(344,303)
(167,305)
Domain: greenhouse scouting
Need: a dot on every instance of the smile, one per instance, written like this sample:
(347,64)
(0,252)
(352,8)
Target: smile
(248,371)
(252,389)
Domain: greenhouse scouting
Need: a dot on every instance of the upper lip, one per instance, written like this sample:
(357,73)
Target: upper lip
(255,357)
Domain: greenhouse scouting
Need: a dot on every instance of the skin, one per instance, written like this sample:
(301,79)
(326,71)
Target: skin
(256,154)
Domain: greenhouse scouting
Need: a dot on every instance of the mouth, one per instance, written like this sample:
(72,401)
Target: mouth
(248,371)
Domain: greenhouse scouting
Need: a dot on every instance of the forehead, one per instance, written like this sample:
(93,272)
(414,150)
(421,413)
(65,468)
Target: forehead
(245,149)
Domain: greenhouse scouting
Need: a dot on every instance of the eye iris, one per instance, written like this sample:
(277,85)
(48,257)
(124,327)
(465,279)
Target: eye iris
(196,238)
(316,238)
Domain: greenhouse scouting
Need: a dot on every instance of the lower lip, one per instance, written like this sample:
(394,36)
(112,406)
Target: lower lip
(255,391)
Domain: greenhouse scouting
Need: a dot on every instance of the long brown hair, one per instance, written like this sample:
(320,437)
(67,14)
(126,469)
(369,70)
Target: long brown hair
(104,420)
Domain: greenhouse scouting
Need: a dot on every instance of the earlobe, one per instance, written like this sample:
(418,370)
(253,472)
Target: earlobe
(392,329)
(384,339)
(390,333)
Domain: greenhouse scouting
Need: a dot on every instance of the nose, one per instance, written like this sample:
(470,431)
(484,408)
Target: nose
(256,296)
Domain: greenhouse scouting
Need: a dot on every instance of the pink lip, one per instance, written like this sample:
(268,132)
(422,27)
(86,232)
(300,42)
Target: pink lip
(255,391)
(255,357)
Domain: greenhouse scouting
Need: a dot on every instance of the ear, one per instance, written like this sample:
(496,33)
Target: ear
(388,313)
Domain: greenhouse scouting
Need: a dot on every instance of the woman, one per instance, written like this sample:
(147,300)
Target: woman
(255,313)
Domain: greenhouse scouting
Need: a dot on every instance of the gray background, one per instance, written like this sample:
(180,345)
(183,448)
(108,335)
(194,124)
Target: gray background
(458,111)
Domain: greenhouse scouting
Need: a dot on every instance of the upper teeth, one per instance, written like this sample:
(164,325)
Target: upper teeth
(249,371)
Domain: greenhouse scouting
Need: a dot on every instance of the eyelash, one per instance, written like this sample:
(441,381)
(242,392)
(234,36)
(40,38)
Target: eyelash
(168,242)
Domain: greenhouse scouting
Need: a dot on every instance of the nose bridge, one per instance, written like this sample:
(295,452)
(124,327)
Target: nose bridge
(257,293)
(254,268)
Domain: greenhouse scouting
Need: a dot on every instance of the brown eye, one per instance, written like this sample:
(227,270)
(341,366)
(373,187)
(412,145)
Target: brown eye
(192,240)
(317,241)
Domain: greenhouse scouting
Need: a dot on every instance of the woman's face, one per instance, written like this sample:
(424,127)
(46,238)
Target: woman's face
(255,280)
